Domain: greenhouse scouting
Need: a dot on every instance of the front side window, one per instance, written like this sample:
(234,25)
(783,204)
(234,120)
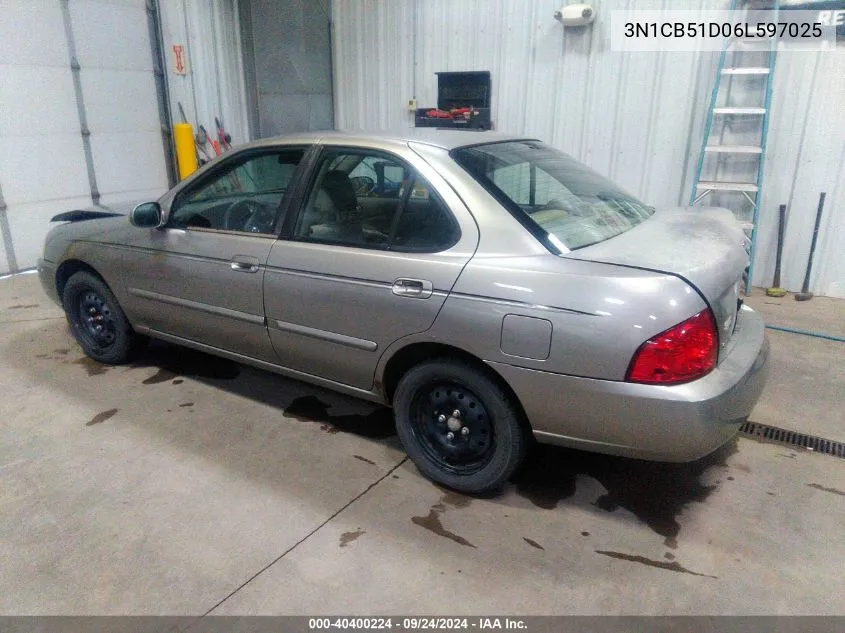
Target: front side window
(244,195)
(562,201)
(371,200)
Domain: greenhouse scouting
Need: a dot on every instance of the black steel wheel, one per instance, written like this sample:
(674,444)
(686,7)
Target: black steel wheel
(458,426)
(97,321)
(453,426)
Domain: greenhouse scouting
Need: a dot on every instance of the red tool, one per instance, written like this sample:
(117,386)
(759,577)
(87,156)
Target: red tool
(461,113)
(224,138)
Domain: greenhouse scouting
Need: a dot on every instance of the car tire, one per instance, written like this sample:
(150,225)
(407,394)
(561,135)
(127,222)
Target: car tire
(97,321)
(435,402)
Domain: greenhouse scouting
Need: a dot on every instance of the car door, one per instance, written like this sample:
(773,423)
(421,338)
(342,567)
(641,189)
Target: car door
(377,244)
(200,277)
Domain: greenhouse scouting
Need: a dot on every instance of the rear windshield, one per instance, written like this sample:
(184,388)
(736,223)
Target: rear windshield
(563,202)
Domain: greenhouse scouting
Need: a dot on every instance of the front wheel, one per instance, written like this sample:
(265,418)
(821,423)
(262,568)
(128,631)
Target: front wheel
(97,321)
(458,426)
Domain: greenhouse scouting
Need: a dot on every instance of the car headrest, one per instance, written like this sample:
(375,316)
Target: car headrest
(341,192)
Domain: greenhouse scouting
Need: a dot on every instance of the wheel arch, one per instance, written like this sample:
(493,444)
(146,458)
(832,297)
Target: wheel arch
(413,354)
(70,267)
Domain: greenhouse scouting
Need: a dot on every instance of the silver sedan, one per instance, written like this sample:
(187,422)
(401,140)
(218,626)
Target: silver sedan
(491,289)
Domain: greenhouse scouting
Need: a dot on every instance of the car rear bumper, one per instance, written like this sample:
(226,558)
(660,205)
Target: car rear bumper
(47,275)
(666,423)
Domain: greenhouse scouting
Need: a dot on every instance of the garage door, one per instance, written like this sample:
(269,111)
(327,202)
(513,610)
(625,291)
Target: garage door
(47,164)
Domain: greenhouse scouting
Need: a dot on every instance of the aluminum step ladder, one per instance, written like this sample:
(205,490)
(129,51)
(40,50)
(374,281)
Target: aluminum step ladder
(747,61)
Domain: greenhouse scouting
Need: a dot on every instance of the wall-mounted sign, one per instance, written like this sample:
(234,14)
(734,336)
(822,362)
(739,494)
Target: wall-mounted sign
(829,13)
(180,59)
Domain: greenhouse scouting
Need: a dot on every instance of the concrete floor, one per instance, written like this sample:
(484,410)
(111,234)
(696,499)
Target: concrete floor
(806,391)
(187,485)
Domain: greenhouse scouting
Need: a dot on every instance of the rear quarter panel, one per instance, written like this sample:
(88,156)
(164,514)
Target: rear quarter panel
(599,314)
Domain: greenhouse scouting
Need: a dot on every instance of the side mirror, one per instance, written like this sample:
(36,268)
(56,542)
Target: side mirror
(146,215)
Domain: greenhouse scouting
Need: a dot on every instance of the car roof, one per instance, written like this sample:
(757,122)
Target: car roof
(447,139)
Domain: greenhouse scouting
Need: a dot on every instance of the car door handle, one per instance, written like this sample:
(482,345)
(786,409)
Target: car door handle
(245,264)
(415,288)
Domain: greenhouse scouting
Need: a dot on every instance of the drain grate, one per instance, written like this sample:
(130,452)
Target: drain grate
(793,438)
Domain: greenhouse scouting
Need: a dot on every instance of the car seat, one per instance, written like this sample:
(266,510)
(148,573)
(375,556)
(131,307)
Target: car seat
(334,214)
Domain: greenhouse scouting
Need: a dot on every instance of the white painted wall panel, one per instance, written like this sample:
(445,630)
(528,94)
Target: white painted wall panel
(132,171)
(636,117)
(115,53)
(32,33)
(120,101)
(123,196)
(45,167)
(36,100)
(126,139)
(42,163)
(138,4)
(40,145)
(110,35)
(28,223)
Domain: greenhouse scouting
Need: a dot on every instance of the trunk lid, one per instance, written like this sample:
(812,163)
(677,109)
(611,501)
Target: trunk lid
(705,246)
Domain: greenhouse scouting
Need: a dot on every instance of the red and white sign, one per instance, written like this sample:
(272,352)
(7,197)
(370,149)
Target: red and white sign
(180,59)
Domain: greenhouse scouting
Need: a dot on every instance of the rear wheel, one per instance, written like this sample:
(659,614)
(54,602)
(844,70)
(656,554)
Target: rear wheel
(458,426)
(97,321)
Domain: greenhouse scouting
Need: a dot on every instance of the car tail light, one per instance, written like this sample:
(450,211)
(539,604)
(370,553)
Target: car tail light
(680,354)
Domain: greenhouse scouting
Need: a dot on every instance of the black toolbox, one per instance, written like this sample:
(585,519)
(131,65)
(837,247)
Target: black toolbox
(463,102)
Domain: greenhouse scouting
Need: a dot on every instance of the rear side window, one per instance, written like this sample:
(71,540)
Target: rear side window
(372,200)
(563,202)
(422,222)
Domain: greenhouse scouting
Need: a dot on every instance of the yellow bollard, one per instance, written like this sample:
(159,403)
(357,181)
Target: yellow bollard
(186,150)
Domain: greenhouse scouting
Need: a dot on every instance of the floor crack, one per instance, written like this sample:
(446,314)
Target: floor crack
(303,539)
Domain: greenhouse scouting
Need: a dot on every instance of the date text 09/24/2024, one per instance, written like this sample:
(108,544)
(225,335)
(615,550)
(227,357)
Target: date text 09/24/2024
(416,624)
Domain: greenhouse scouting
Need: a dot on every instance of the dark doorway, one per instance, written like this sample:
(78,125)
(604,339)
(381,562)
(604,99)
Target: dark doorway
(288,65)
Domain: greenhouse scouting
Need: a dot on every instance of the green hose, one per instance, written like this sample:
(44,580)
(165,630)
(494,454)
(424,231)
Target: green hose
(793,330)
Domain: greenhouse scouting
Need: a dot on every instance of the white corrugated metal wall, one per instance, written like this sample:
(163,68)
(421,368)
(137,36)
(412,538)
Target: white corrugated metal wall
(806,156)
(209,31)
(636,117)
(42,155)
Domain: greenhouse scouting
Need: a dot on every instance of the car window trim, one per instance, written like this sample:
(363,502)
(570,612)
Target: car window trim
(241,157)
(538,232)
(205,229)
(440,202)
(290,204)
(310,177)
(300,197)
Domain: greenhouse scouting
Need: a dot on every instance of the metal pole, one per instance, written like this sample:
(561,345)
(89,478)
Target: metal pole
(805,289)
(159,66)
(779,253)
(80,104)
(6,230)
